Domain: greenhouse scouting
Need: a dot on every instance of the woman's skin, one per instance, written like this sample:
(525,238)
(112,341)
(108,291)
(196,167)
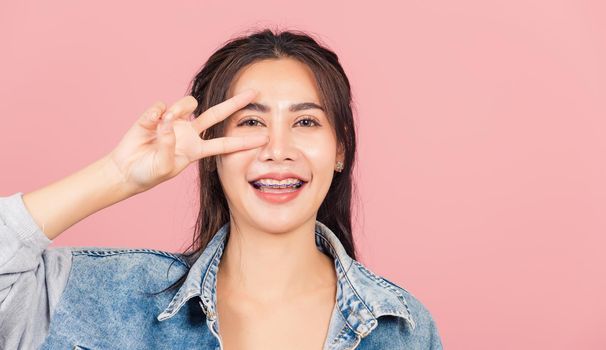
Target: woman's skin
(275,288)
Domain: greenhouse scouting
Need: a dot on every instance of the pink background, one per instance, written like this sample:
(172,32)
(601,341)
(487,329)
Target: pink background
(481,141)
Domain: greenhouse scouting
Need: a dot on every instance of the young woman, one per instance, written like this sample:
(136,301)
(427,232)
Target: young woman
(272,265)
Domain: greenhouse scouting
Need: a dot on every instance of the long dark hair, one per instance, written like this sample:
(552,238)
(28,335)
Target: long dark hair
(210,87)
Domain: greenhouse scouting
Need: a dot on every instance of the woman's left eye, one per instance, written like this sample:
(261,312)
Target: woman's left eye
(309,120)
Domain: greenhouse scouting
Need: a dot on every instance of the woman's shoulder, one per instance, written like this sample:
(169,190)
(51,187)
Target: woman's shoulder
(417,308)
(132,253)
(132,264)
(419,315)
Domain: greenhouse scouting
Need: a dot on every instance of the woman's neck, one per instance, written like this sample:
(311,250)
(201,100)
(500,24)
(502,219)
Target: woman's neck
(270,267)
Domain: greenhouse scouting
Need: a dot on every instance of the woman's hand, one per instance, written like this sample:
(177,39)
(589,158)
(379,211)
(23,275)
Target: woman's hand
(163,143)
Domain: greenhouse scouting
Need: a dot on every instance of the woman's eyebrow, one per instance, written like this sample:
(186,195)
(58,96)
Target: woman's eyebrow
(295,107)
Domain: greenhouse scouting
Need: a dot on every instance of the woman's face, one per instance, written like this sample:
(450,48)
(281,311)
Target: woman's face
(301,142)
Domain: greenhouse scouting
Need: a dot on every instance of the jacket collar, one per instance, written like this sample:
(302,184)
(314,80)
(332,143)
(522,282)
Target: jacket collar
(362,296)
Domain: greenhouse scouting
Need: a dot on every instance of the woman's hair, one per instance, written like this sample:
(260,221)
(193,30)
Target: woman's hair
(210,87)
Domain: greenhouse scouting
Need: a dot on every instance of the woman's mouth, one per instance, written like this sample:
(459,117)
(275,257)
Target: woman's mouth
(276,187)
(278,192)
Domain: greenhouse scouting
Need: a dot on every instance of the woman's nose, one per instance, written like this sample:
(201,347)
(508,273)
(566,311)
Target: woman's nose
(280,146)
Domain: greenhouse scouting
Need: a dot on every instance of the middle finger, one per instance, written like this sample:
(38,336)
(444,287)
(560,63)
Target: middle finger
(182,108)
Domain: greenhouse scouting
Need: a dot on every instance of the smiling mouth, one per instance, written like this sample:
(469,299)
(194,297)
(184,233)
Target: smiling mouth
(277,188)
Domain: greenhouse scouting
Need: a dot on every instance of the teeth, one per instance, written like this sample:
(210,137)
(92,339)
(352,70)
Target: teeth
(273,182)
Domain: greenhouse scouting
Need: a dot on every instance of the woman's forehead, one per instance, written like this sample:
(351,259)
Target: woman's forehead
(281,79)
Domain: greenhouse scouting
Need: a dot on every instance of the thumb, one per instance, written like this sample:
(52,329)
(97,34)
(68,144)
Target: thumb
(166,142)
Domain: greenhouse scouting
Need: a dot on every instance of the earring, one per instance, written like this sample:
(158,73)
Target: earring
(339,167)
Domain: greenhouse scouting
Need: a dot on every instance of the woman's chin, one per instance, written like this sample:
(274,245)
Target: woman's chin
(276,224)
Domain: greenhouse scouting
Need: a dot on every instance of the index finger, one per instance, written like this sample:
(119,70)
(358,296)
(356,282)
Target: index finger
(228,144)
(223,110)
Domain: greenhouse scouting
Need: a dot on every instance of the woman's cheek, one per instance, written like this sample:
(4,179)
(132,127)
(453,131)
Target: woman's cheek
(320,153)
(231,168)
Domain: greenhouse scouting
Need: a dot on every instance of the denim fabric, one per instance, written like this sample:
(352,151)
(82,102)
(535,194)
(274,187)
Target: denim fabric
(104,304)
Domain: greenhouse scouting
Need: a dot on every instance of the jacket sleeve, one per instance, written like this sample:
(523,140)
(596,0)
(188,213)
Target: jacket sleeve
(32,276)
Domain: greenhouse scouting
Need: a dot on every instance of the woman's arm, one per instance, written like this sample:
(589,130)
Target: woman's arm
(156,148)
(58,206)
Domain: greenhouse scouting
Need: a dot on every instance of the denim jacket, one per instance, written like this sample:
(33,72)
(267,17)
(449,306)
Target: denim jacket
(98,297)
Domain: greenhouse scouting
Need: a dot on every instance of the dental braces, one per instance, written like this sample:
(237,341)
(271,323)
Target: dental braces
(279,185)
